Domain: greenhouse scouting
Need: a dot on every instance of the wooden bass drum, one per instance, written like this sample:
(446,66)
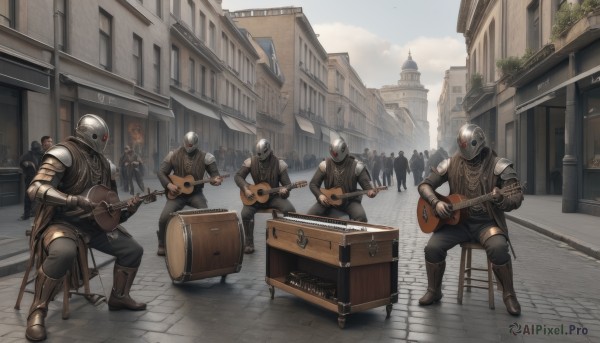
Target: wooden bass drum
(203,243)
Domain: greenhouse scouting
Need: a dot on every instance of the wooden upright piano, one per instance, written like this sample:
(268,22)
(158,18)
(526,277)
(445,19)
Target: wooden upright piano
(343,266)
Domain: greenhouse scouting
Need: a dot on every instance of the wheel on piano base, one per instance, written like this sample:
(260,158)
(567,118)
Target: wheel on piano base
(388,310)
(223,277)
(272,291)
(341,321)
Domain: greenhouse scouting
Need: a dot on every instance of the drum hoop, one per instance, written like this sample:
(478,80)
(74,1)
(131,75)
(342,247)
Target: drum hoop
(186,272)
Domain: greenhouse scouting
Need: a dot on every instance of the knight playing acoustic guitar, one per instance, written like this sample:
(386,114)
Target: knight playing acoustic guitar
(262,191)
(335,196)
(186,184)
(430,222)
(107,212)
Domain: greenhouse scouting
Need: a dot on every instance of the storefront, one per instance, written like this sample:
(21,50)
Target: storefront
(17,78)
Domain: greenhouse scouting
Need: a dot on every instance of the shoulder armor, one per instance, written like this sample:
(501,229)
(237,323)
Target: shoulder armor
(323,166)
(501,164)
(247,163)
(359,168)
(113,169)
(209,158)
(282,166)
(442,168)
(504,168)
(62,154)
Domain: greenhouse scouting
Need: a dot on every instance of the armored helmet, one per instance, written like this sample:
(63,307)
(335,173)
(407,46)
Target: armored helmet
(263,149)
(471,140)
(338,149)
(93,132)
(191,142)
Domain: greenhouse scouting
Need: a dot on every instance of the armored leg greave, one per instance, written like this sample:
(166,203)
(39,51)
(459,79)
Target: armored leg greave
(45,290)
(435,272)
(504,274)
(119,297)
(249,235)
(161,244)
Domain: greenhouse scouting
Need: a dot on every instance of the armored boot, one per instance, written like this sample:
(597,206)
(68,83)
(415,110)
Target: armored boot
(119,297)
(161,244)
(504,274)
(249,235)
(45,290)
(435,272)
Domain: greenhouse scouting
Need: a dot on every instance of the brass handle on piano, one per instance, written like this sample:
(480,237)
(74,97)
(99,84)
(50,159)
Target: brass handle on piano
(302,240)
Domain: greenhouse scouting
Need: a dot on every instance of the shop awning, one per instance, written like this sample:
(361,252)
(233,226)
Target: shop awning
(235,124)
(24,76)
(107,98)
(160,112)
(305,125)
(195,106)
(250,127)
(550,93)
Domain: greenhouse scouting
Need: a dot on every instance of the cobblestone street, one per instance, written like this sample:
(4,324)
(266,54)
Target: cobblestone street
(556,285)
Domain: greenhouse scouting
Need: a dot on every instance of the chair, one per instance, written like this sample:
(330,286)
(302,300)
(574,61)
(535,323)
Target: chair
(77,277)
(466,270)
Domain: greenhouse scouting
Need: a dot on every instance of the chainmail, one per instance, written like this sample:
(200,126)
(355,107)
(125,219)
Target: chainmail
(471,176)
(95,168)
(338,175)
(188,164)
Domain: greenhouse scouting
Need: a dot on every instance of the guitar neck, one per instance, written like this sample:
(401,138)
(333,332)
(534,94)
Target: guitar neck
(122,204)
(472,202)
(277,189)
(352,194)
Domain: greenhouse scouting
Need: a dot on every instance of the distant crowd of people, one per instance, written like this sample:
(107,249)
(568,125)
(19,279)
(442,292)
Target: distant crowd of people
(420,164)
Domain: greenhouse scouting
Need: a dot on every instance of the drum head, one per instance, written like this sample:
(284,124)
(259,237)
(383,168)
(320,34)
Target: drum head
(176,247)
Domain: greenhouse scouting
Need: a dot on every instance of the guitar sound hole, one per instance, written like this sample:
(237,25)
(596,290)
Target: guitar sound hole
(334,197)
(186,184)
(260,192)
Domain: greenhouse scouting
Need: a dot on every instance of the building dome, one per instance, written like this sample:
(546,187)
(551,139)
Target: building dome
(409,64)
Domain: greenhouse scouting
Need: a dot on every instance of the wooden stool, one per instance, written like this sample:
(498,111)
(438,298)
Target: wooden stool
(77,277)
(466,268)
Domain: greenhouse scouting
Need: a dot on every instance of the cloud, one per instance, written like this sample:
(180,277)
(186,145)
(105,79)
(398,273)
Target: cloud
(378,61)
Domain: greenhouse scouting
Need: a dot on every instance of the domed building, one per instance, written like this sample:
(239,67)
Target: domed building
(410,94)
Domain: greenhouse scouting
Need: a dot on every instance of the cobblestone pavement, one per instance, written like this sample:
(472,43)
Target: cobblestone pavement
(556,285)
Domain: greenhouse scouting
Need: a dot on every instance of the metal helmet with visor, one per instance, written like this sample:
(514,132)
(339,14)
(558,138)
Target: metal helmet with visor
(471,140)
(338,149)
(191,142)
(263,149)
(93,132)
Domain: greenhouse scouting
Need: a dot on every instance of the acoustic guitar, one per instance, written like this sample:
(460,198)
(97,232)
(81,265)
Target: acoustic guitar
(186,184)
(107,212)
(335,196)
(430,222)
(263,190)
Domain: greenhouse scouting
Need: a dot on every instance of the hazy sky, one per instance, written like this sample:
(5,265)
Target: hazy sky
(378,34)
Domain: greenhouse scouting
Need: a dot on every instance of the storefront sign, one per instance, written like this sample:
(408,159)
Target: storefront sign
(112,102)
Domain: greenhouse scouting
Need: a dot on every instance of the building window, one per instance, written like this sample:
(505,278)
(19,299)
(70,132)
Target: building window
(105,40)
(203,80)
(192,15)
(62,23)
(212,36)
(159,10)
(175,65)
(213,85)
(176,8)
(533,25)
(156,68)
(138,60)
(591,146)
(192,67)
(202,27)
(7,13)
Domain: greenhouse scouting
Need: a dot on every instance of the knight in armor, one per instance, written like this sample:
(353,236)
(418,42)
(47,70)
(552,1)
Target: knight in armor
(268,168)
(183,161)
(62,224)
(341,170)
(473,171)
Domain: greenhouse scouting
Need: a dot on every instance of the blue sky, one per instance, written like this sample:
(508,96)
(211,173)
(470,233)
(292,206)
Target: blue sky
(378,34)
